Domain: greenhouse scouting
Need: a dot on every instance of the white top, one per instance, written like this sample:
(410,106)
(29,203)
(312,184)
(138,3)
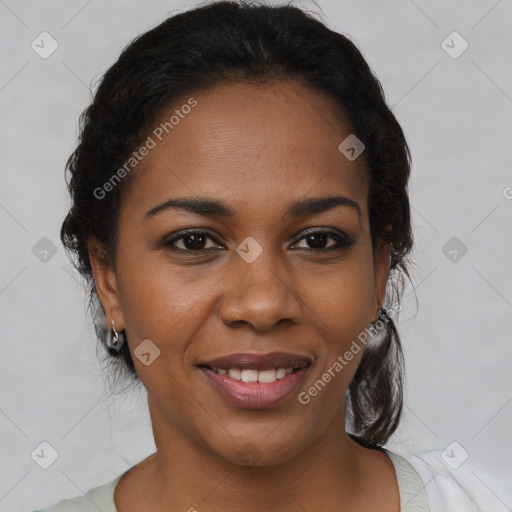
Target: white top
(425,484)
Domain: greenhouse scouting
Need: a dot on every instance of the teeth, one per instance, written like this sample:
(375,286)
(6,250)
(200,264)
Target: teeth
(280,373)
(267,376)
(235,373)
(264,376)
(249,376)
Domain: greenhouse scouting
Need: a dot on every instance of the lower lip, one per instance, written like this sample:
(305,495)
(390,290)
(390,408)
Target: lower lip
(255,395)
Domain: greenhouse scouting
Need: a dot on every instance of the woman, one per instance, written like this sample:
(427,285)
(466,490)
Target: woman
(240,210)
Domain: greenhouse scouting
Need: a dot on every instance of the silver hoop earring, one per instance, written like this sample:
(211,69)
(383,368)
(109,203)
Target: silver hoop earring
(115,342)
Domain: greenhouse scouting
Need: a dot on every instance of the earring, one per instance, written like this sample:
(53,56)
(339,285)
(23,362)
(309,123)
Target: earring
(115,342)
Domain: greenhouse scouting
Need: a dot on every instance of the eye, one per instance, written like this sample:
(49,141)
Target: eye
(318,240)
(192,241)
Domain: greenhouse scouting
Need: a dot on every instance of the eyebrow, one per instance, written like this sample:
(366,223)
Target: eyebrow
(213,207)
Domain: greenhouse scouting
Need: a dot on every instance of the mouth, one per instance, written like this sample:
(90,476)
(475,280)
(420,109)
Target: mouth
(256,381)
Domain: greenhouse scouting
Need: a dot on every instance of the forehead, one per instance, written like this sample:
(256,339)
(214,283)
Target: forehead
(249,145)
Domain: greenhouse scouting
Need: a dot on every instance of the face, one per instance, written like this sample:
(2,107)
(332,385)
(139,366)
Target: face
(261,266)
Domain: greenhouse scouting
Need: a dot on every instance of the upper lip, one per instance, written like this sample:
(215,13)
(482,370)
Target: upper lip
(251,361)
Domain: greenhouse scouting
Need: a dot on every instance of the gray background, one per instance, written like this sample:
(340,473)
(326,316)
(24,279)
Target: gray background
(456,113)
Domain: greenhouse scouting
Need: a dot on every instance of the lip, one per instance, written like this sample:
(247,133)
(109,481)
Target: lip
(255,395)
(254,361)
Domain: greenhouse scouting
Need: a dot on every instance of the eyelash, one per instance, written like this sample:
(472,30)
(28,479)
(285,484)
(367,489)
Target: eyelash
(343,241)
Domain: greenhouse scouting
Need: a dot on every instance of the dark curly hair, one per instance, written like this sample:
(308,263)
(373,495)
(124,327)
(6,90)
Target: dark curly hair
(246,43)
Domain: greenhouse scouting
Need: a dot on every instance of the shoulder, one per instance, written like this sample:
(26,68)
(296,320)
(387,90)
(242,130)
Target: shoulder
(448,486)
(98,498)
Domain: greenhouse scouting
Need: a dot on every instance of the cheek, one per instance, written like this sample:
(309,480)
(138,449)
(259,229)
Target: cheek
(341,297)
(340,303)
(340,310)
(156,296)
(159,306)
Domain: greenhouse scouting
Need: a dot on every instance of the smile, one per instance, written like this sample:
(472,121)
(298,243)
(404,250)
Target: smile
(256,381)
(265,376)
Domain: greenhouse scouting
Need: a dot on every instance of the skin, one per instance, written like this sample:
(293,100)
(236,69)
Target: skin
(256,149)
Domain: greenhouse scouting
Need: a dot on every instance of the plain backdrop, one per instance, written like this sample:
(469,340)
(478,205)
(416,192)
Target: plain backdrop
(456,111)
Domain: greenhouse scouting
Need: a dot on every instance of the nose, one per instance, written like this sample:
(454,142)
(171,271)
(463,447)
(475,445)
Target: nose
(259,295)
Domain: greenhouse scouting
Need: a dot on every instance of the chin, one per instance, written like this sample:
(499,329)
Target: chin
(264,452)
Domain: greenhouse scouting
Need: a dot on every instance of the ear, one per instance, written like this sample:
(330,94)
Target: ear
(106,283)
(382,260)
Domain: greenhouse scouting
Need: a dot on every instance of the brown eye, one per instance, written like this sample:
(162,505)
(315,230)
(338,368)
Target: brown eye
(192,241)
(319,241)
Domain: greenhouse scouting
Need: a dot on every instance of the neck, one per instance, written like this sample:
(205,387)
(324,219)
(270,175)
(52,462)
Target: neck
(326,475)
